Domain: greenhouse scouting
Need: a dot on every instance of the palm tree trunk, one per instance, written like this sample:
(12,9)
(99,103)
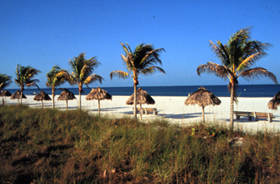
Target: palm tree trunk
(21,93)
(3,102)
(232,106)
(135,101)
(135,83)
(203,115)
(98,107)
(80,98)
(141,111)
(42,104)
(53,103)
(66,104)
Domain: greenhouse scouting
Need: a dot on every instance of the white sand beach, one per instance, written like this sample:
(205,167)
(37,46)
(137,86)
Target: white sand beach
(174,110)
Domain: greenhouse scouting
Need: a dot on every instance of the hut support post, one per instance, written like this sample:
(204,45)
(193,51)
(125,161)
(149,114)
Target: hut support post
(42,104)
(3,101)
(98,107)
(66,104)
(203,114)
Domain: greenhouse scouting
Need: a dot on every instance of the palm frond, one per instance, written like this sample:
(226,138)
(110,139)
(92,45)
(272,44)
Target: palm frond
(221,51)
(33,82)
(248,61)
(240,36)
(219,70)
(124,58)
(57,76)
(120,74)
(154,55)
(258,72)
(25,74)
(82,68)
(84,72)
(93,78)
(152,69)
(126,48)
(128,60)
(5,80)
(254,46)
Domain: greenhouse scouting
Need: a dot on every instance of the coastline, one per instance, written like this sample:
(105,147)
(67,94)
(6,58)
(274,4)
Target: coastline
(173,109)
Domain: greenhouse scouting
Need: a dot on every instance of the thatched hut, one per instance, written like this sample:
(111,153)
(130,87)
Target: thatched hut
(16,95)
(4,94)
(142,98)
(203,98)
(66,95)
(41,97)
(274,102)
(98,94)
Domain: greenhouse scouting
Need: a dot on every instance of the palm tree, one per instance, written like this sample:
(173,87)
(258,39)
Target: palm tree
(82,72)
(24,77)
(5,80)
(56,77)
(237,57)
(141,61)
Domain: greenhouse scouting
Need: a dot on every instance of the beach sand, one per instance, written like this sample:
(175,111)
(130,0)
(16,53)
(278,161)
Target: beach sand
(174,110)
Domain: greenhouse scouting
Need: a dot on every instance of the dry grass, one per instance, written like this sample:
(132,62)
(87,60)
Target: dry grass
(49,146)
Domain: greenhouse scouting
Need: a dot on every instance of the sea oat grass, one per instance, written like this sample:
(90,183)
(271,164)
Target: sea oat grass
(51,146)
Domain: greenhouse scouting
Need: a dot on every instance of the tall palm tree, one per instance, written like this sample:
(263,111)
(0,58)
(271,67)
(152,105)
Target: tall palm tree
(56,77)
(24,76)
(82,72)
(5,80)
(140,61)
(237,57)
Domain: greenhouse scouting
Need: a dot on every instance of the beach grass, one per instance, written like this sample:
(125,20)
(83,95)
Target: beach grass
(51,146)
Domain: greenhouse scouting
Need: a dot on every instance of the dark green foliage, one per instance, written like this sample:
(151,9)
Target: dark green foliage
(50,146)
(5,80)
(25,74)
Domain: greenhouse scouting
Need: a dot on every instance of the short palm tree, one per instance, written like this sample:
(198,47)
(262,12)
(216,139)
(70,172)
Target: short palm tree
(140,61)
(24,76)
(82,72)
(5,80)
(237,57)
(56,77)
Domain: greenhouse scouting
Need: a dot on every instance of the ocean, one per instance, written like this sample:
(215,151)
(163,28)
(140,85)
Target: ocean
(218,90)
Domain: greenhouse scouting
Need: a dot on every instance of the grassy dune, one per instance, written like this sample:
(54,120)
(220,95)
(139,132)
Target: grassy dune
(50,146)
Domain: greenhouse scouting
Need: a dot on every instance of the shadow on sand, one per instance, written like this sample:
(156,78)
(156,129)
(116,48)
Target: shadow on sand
(182,116)
(109,109)
(69,108)
(245,120)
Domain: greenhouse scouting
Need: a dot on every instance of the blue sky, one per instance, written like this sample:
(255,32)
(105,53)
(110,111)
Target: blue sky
(43,33)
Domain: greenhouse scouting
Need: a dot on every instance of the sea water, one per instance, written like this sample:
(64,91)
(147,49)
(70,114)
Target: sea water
(218,90)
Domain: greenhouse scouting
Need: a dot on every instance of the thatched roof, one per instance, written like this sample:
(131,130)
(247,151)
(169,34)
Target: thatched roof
(142,98)
(42,96)
(202,97)
(5,93)
(66,95)
(16,95)
(98,94)
(274,102)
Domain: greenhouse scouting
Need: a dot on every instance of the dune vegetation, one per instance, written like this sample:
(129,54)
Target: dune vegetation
(52,146)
